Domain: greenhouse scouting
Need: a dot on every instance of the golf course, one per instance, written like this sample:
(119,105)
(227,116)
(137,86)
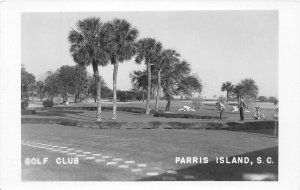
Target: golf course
(119,99)
(144,147)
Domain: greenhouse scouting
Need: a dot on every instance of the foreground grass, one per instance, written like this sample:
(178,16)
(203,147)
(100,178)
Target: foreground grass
(156,148)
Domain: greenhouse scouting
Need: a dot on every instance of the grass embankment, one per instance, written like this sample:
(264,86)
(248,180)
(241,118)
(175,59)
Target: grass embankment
(265,127)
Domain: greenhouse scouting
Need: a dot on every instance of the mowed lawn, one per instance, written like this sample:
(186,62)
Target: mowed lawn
(145,154)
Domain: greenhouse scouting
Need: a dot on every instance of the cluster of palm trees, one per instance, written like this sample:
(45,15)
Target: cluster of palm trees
(228,87)
(98,43)
(246,88)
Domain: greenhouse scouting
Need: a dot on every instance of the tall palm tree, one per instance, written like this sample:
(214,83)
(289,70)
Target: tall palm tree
(148,50)
(122,47)
(166,58)
(89,47)
(228,87)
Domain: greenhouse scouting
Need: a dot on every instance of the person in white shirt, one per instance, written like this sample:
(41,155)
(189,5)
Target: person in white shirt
(220,107)
(276,111)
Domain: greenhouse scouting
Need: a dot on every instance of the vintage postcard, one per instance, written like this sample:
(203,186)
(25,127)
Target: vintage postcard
(139,95)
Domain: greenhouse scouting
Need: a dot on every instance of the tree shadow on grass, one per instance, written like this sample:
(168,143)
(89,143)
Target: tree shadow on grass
(58,113)
(79,118)
(261,127)
(270,133)
(228,172)
(65,111)
(49,114)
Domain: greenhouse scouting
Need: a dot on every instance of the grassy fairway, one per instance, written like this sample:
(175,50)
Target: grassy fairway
(153,152)
(208,109)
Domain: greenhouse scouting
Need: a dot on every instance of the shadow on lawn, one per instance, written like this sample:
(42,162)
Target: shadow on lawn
(229,172)
(60,113)
(262,127)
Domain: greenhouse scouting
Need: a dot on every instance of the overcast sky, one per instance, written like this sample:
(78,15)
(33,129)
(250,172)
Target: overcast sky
(220,45)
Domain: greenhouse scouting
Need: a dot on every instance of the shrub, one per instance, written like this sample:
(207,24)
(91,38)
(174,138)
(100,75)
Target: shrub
(24,104)
(222,99)
(249,101)
(48,103)
(28,112)
(197,102)
(182,115)
(272,99)
(262,99)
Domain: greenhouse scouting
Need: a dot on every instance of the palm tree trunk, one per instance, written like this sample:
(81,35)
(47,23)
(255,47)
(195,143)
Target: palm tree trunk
(115,73)
(149,89)
(168,96)
(98,87)
(227,95)
(158,89)
(65,97)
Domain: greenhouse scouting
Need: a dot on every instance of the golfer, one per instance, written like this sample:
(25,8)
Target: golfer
(276,111)
(220,107)
(258,113)
(242,107)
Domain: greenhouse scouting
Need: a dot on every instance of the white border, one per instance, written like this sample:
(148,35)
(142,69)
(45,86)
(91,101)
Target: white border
(289,83)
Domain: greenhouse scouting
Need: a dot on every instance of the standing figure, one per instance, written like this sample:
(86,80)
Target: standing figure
(220,107)
(276,111)
(258,113)
(242,106)
(276,114)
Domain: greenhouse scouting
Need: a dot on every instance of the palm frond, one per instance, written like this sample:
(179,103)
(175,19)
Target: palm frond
(89,42)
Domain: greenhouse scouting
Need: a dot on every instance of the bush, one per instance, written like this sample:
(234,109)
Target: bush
(28,112)
(249,101)
(197,102)
(272,99)
(48,103)
(24,104)
(222,99)
(182,115)
(262,99)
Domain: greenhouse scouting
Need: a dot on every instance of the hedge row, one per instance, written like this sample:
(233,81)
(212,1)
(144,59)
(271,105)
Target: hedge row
(235,126)
(137,110)
(125,109)
(184,115)
(27,112)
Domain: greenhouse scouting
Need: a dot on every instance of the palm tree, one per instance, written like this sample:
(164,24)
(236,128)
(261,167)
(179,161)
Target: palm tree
(148,50)
(89,47)
(176,79)
(228,87)
(122,47)
(167,57)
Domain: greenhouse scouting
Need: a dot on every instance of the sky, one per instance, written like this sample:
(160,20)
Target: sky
(220,45)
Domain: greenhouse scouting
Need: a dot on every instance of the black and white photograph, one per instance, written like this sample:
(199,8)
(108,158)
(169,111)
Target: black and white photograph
(151,96)
(138,96)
